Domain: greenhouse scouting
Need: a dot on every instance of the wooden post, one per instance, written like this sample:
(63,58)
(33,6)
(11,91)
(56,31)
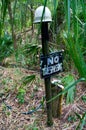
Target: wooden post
(57,103)
(45,50)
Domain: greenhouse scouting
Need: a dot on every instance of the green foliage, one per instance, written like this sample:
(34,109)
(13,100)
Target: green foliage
(84,98)
(67,88)
(33,126)
(4,8)
(72,118)
(31,49)
(27,54)
(6,46)
(72,36)
(28,79)
(82,121)
(20,95)
(67,81)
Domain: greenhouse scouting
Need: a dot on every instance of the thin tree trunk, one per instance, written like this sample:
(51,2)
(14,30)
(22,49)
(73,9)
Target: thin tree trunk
(32,16)
(12,25)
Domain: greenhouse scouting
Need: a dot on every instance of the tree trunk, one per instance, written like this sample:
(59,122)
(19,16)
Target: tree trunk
(32,17)
(12,25)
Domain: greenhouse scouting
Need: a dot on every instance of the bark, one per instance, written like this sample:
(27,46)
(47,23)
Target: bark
(47,81)
(32,17)
(12,24)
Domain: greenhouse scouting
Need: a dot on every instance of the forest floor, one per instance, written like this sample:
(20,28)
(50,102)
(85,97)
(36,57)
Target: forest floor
(11,111)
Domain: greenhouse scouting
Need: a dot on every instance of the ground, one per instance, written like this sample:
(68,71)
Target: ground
(11,111)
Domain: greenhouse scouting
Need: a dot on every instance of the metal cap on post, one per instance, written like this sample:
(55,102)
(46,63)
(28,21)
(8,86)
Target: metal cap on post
(46,16)
(43,16)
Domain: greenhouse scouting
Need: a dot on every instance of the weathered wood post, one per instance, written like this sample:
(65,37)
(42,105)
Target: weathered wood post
(57,103)
(45,49)
(43,16)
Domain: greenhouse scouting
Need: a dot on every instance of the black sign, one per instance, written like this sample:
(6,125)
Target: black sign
(51,64)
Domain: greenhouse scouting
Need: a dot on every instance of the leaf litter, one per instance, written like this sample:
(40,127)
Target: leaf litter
(13,119)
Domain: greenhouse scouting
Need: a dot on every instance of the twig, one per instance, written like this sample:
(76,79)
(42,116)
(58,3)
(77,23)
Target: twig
(69,128)
(82,109)
(73,106)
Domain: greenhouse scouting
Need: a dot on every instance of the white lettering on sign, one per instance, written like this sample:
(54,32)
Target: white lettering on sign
(56,59)
(51,64)
(52,60)
(52,69)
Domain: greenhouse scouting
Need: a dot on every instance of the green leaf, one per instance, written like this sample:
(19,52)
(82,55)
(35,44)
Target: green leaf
(21,95)
(66,89)
(67,81)
(73,37)
(35,128)
(78,115)
(28,79)
(84,98)
(82,122)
